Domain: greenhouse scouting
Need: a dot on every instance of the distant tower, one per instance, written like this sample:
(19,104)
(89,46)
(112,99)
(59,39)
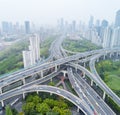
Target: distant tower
(32,56)
(104,24)
(107,39)
(35,46)
(5,27)
(117,19)
(27,27)
(116,37)
(91,22)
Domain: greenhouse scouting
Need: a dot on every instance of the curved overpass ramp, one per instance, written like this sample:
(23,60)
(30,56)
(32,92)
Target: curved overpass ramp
(50,89)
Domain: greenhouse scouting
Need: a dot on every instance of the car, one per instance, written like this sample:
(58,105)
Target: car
(58,91)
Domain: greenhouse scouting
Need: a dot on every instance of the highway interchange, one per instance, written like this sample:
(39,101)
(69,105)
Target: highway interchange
(91,105)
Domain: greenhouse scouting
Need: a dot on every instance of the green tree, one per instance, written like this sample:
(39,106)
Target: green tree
(28,108)
(8,110)
(42,108)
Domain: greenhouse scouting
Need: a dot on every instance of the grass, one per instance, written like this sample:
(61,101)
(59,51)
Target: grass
(81,45)
(113,81)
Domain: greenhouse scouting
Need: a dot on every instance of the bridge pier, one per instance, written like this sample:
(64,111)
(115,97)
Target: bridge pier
(104,95)
(91,83)
(83,74)
(103,57)
(110,55)
(37,92)
(51,80)
(97,59)
(84,65)
(0,90)
(64,73)
(23,81)
(2,103)
(23,95)
(55,68)
(41,74)
(78,109)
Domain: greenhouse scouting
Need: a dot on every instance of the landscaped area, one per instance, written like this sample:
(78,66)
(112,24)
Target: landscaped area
(42,104)
(80,45)
(11,58)
(110,72)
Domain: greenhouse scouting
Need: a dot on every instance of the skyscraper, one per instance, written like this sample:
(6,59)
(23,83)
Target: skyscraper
(32,55)
(107,39)
(27,27)
(35,46)
(91,22)
(117,19)
(5,27)
(116,37)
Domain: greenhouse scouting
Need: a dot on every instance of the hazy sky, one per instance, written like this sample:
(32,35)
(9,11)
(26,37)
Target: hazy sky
(48,11)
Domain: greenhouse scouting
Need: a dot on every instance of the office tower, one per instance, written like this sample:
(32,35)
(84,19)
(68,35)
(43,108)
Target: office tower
(116,38)
(104,24)
(73,26)
(117,19)
(107,38)
(32,55)
(5,27)
(27,27)
(28,58)
(35,46)
(91,22)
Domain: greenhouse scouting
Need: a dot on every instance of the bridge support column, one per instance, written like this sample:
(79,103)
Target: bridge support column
(23,95)
(41,74)
(83,74)
(55,68)
(0,90)
(103,57)
(91,82)
(84,65)
(23,81)
(2,103)
(51,79)
(37,92)
(110,55)
(50,93)
(104,95)
(78,109)
(97,59)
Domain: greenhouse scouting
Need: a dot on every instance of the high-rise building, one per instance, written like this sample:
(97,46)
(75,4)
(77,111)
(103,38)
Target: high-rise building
(73,26)
(104,24)
(117,19)
(107,38)
(35,46)
(32,56)
(5,27)
(116,37)
(27,27)
(91,22)
(28,58)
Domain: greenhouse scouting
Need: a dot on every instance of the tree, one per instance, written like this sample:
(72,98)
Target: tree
(28,108)
(42,108)
(50,102)
(8,110)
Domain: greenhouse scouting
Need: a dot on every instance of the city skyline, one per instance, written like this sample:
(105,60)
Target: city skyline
(47,12)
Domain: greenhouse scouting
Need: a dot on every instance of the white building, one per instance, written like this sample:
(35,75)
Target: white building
(107,38)
(116,37)
(27,58)
(32,56)
(35,47)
